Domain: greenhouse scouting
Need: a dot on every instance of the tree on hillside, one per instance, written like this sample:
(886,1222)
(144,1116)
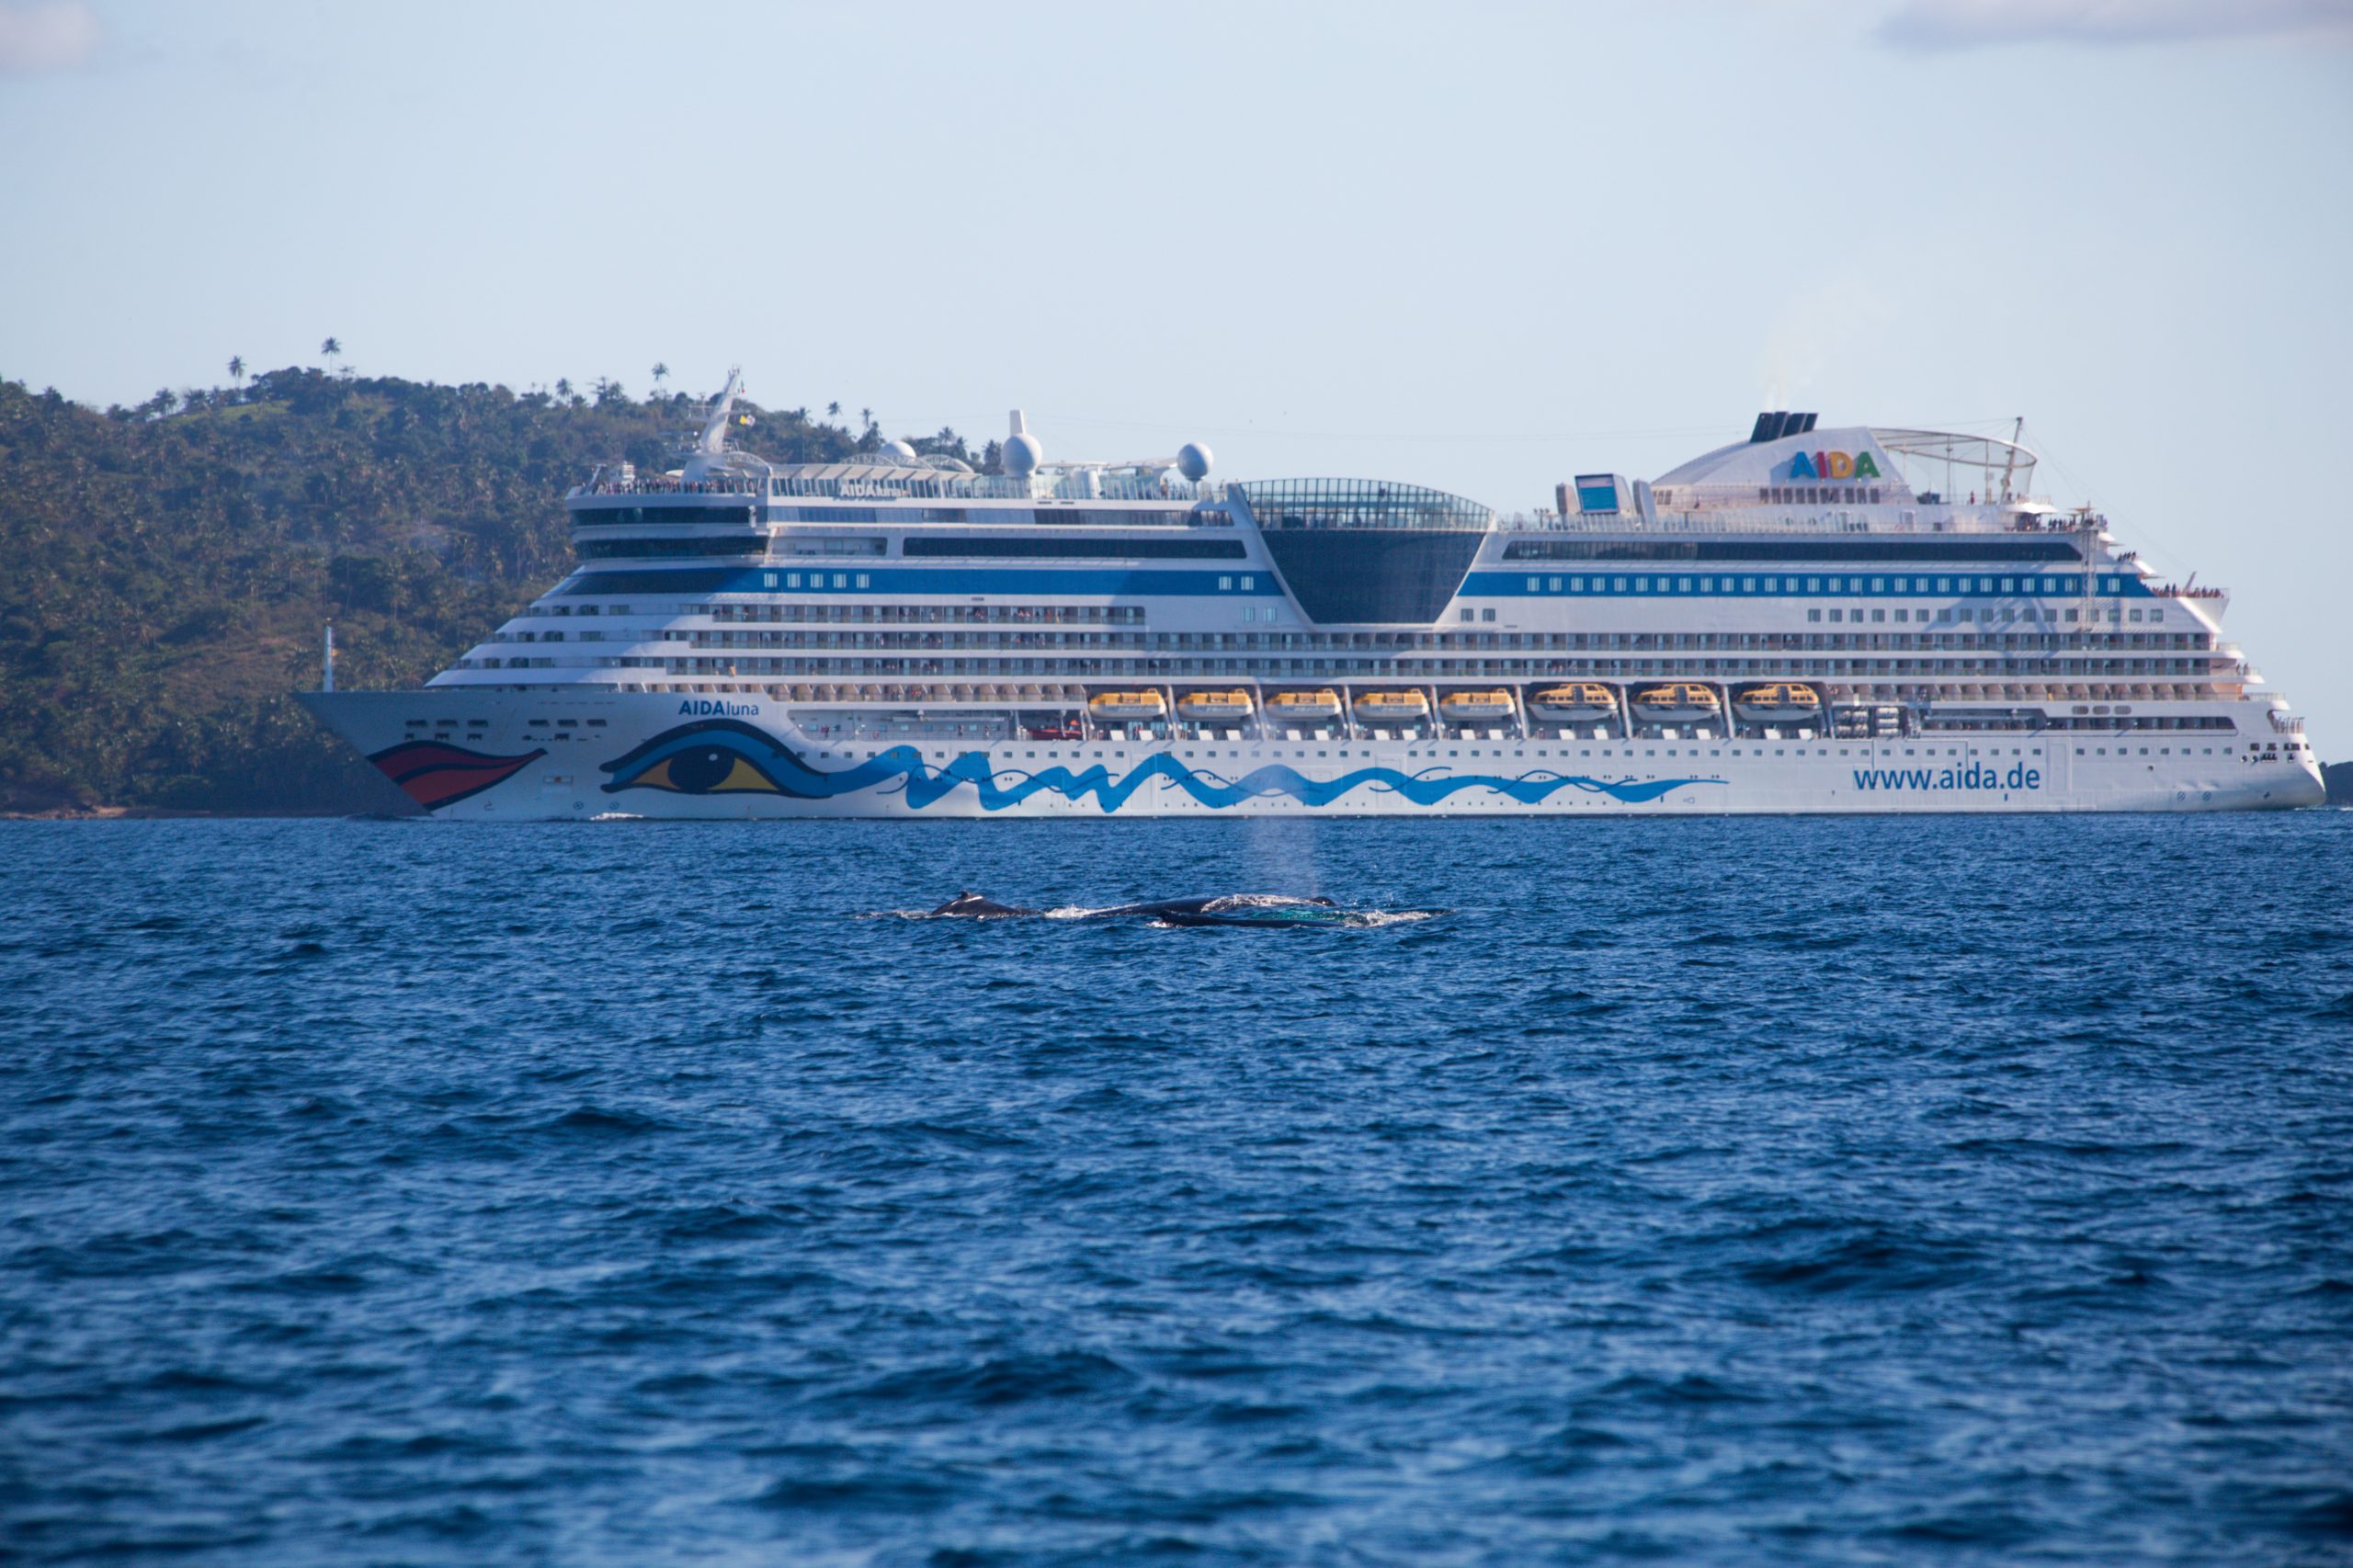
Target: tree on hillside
(563,388)
(332,348)
(661,374)
(833,411)
(237,369)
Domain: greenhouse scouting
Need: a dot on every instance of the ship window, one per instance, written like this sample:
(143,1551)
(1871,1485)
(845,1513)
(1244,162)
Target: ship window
(1618,584)
(1466,612)
(865,580)
(1248,583)
(1683,584)
(1748,585)
(1486,615)
(1879,584)
(1556,584)
(1814,615)
(1534,585)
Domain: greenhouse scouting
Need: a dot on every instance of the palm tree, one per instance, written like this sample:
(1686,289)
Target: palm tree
(563,388)
(833,411)
(661,374)
(237,368)
(332,348)
(866,418)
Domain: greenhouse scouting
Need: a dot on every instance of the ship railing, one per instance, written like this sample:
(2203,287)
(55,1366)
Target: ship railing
(669,487)
(1078,484)
(1758,520)
(2285,723)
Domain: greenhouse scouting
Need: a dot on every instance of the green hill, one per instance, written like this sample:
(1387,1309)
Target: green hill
(170,567)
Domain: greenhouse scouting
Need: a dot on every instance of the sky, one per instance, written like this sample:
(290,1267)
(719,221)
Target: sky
(1480,246)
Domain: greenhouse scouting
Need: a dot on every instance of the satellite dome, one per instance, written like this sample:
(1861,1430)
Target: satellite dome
(1022,455)
(903,449)
(1193,460)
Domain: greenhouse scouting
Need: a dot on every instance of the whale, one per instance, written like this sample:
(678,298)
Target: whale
(970,905)
(1219,909)
(1233,909)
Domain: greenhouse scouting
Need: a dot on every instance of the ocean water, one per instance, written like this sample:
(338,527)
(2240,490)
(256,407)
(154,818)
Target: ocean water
(1705,1191)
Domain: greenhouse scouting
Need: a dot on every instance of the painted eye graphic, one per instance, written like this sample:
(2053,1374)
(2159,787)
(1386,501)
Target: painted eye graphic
(706,770)
(718,757)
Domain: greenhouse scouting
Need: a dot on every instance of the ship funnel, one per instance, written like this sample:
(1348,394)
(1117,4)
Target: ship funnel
(1022,452)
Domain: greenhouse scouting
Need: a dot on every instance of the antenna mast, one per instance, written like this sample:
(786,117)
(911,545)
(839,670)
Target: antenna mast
(714,434)
(2010,467)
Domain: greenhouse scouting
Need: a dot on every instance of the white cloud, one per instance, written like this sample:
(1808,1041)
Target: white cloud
(1969,24)
(39,36)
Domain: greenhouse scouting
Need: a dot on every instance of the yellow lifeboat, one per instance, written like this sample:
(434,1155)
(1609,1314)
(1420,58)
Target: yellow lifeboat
(1776,702)
(1579,702)
(1393,707)
(1127,707)
(1680,702)
(1304,707)
(1475,707)
(1214,707)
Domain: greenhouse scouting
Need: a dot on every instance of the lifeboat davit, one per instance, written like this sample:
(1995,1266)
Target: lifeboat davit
(1127,707)
(1778,703)
(1393,707)
(1474,707)
(1214,707)
(1580,702)
(1681,702)
(1304,707)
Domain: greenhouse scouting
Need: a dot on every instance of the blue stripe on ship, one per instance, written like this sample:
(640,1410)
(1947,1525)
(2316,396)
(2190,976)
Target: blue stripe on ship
(1490,583)
(902,768)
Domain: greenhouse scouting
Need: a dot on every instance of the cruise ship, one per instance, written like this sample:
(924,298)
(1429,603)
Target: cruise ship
(1810,620)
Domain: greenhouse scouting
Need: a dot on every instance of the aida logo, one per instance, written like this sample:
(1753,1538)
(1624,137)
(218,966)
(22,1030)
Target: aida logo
(706,706)
(1833,465)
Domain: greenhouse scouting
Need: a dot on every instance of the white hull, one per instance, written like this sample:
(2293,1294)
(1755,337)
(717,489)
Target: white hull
(573,755)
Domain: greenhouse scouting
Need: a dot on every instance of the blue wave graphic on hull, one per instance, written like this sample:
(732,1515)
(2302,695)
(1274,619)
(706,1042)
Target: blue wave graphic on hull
(724,757)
